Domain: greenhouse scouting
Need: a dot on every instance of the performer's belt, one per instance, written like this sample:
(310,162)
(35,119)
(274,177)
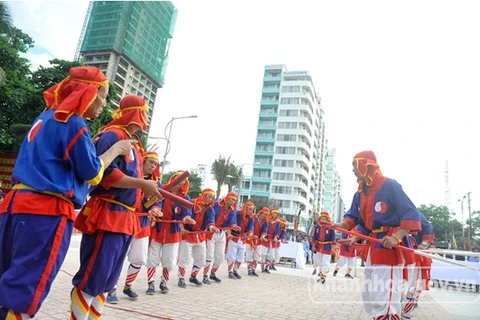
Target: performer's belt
(21,186)
(119,203)
(326,242)
(381,229)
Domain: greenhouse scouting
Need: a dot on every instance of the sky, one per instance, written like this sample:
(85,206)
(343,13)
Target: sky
(399,78)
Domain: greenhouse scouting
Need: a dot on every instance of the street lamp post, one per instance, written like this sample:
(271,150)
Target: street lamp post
(469,223)
(167,147)
(463,227)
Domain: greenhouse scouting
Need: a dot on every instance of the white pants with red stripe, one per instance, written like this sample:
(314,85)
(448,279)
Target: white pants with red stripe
(382,290)
(138,252)
(162,253)
(412,291)
(252,253)
(216,249)
(235,251)
(196,250)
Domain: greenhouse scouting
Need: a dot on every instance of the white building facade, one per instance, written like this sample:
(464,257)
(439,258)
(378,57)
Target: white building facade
(290,144)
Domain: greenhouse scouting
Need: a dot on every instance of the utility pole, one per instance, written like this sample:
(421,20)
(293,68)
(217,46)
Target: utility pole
(469,223)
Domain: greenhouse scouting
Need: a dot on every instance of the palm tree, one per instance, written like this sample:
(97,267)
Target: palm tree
(234,176)
(6,25)
(220,170)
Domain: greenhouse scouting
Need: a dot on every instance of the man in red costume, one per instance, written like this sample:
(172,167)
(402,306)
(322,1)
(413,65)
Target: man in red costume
(194,237)
(225,217)
(55,164)
(381,209)
(253,253)
(108,220)
(138,252)
(166,236)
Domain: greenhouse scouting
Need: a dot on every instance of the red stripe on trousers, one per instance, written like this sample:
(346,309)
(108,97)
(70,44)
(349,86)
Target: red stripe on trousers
(98,242)
(57,242)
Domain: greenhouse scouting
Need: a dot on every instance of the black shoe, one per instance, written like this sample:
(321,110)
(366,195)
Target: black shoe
(163,287)
(235,273)
(314,272)
(205,280)
(266,270)
(321,280)
(195,281)
(181,283)
(335,273)
(349,276)
(130,293)
(250,273)
(215,278)
(231,276)
(254,273)
(273,268)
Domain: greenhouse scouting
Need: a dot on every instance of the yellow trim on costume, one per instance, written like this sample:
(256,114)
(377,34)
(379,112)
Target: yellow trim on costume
(119,203)
(103,83)
(381,229)
(22,186)
(96,180)
(212,193)
(116,114)
(152,155)
(326,242)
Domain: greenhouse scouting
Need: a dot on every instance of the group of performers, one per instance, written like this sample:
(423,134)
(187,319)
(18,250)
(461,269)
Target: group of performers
(128,215)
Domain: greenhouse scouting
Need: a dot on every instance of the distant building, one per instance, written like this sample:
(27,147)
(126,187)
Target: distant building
(201,170)
(333,202)
(290,144)
(129,42)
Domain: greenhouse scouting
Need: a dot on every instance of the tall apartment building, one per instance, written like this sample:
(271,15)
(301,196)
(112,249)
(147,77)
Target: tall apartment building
(290,144)
(129,42)
(333,187)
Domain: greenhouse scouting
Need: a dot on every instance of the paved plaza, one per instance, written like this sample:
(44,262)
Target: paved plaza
(285,294)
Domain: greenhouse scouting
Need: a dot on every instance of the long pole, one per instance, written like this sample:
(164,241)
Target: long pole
(469,223)
(167,147)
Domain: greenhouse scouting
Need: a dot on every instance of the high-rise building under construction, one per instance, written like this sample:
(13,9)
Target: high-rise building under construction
(129,41)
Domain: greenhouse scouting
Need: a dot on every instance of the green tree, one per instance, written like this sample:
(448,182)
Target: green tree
(440,218)
(475,227)
(17,88)
(220,170)
(6,25)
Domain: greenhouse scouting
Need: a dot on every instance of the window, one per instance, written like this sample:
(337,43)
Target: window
(291,89)
(285,150)
(289,113)
(286,137)
(284,163)
(287,125)
(283,176)
(290,101)
(282,189)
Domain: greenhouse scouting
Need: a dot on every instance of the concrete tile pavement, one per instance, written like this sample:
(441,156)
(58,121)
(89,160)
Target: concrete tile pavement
(285,294)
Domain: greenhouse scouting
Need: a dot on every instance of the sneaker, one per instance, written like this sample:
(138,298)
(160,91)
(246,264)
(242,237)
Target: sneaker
(163,287)
(335,273)
(130,293)
(265,270)
(112,297)
(314,272)
(254,273)
(215,278)
(322,279)
(181,283)
(231,276)
(205,280)
(349,276)
(273,268)
(151,289)
(250,273)
(235,273)
(195,281)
